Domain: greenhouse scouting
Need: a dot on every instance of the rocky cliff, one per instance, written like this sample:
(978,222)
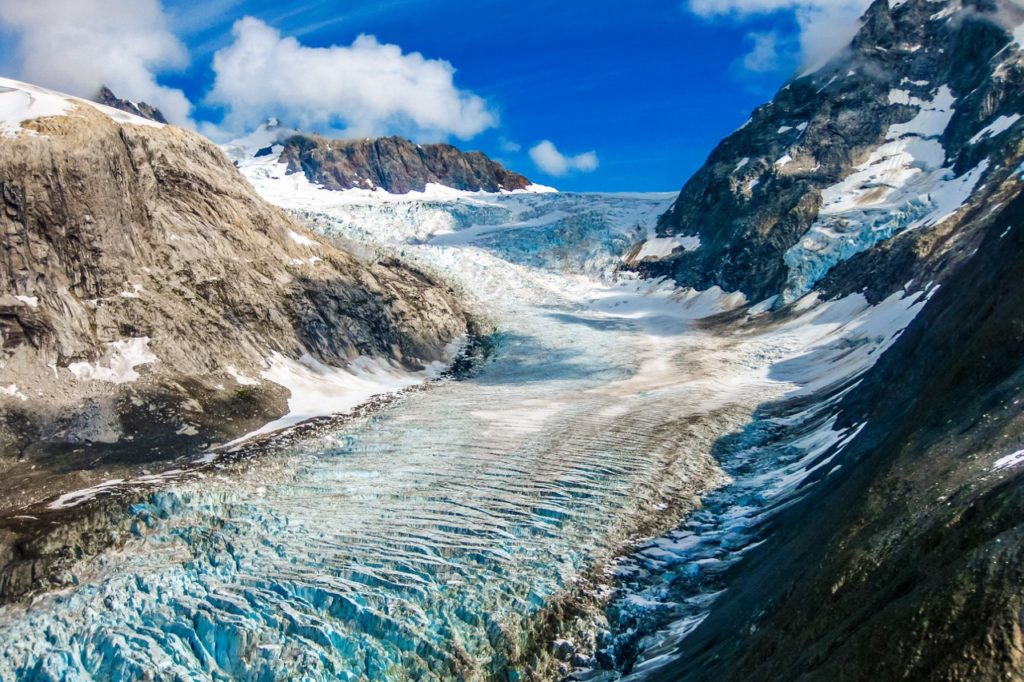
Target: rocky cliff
(148,293)
(395,165)
(865,172)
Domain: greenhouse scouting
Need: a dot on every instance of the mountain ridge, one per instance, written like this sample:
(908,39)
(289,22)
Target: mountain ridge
(394,164)
(391,164)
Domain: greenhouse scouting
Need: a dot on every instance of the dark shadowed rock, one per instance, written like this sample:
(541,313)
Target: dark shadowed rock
(108,98)
(907,563)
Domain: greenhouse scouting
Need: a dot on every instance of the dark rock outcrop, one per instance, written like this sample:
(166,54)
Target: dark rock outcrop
(108,98)
(394,164)
(763,188)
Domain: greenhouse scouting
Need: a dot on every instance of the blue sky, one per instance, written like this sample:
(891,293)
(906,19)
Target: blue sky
(649,87)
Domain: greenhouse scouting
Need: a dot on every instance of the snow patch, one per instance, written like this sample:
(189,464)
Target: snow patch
(133,292)
(660,247)
(13,392)
(1009,461)
(301,239)
(240,378)
(21,102)
(931,121)
(30,301)
(996,127)
(319,390)
(124,356)
(77,497)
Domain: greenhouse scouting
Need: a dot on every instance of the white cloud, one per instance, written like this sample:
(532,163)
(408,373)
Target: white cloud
(76,46)
(509,146)
(825,26)
(553,162)
(764,56)
(368,88)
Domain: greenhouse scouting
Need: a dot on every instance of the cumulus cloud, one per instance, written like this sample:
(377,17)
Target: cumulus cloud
(367,88)
(76,46)
(825,26)
(553,162)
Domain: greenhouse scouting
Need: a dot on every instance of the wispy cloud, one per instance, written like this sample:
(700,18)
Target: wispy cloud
(367,88)
(78,45)
(553,162)
(764,56)
(823,27)
(509,146)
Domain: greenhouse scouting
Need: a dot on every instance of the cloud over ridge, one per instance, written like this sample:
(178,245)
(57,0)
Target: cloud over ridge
(824,26)
(78,45)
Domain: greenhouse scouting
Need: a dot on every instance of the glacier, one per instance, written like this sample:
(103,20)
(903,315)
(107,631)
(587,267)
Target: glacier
(428,539)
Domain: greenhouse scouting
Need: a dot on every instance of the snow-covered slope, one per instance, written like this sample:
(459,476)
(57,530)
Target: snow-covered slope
(21,103)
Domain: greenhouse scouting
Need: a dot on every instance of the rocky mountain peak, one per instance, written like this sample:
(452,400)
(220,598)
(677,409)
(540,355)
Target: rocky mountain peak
(873,156)
(106,97)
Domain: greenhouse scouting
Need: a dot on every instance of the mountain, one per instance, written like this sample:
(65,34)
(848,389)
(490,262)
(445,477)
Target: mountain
(393,164)
(865,173)
(154,305)
(897,167)
(141,109)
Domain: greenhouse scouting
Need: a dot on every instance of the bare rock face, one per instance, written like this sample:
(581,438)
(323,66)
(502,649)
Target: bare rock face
(859,173)
(108,98)
(394,164)
(145,286)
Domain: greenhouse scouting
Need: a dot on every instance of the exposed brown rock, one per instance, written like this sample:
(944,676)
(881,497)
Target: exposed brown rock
(394,164)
